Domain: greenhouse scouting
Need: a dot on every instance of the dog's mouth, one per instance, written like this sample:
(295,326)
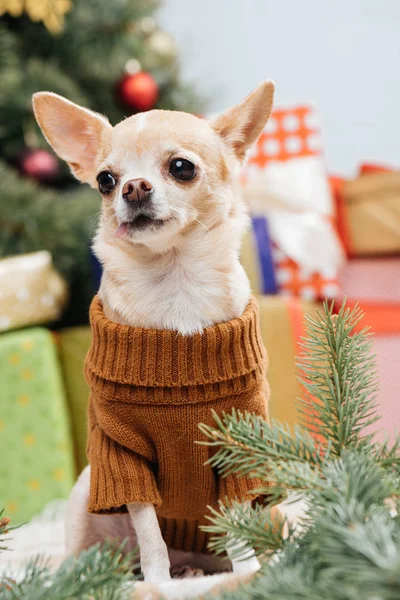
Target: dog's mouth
(139,223)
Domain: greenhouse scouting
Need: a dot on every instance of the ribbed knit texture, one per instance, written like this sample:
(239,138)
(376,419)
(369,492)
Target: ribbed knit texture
(149,391)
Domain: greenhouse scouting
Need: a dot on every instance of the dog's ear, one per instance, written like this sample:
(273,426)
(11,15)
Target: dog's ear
(76,134)
(241,125)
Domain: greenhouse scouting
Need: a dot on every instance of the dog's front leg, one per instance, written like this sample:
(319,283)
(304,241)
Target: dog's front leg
(154,559)
(246,561)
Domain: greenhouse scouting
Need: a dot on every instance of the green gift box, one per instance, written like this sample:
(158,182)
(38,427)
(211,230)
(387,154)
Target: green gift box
(73,345)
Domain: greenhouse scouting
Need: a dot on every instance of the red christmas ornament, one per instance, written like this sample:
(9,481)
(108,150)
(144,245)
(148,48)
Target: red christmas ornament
(40,165)
(138,91)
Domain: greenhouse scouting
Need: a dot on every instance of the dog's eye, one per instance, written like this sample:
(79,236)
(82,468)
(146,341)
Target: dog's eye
(182,169)
(106,181)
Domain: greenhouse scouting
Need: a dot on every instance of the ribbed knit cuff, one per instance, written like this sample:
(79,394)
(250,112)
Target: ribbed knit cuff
(118,476)
(163,358)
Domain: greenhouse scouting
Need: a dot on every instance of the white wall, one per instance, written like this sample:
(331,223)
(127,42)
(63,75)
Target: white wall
(343,56)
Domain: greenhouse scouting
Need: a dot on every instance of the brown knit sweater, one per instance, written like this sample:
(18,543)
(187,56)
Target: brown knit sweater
(149,391)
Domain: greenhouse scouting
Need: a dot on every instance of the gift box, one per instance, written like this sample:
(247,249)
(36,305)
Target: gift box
(271,271)
(35,438)
(73,345)
(284,181)
(370,207)
(282,327)
(374,280)
(387,350)
(384,322)
(31,291)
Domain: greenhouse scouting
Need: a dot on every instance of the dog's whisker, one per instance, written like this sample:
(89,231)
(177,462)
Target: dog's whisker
(177,211)
(202,224)
(94,221)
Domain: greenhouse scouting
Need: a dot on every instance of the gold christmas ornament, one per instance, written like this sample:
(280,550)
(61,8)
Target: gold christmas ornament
(50,12)
(163,44)
(132,66)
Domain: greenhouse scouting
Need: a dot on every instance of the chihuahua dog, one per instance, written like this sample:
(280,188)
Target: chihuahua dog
(169,237)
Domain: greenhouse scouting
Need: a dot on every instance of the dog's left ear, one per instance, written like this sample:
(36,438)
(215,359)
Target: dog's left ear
(76,134)
(241,125)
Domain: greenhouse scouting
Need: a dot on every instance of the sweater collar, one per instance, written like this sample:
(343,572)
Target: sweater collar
(164,358)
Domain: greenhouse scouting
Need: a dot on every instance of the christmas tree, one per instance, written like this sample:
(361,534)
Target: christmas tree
(108,56)
(347,546)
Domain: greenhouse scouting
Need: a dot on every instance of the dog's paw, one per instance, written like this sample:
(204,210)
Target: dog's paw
(185,572)
(247,566)
(155,575)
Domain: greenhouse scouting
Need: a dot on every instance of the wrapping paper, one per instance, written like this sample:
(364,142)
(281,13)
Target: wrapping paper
(35,439)
(73,346)
(282,326)
(374,280)
(285,181)
(387,350)
(370,208)
(384,323)
(270,271)
(31,291)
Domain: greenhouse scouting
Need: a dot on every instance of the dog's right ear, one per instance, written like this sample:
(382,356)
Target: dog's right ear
(241,125)
(76,134)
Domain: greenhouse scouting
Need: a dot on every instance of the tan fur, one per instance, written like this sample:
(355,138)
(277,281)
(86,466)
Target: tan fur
(183,275)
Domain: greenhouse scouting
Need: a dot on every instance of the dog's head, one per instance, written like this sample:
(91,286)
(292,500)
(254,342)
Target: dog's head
(160,172)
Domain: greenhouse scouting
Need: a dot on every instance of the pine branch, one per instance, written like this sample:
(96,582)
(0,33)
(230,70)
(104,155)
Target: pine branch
(353,481)
(246,443)
(388,456)
(339,375)
(97,574)
(257,527)
(350,532)
(348,535)
(5,529)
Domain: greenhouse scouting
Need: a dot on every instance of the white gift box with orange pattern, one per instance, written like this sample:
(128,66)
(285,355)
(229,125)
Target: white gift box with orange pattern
(284,180)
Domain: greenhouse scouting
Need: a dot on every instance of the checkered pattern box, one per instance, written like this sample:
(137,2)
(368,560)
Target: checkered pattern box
(285,183)
(290,133)
(35,442)
(271,271)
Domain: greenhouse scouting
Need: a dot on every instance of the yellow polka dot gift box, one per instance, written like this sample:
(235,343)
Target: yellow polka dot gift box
(31,291)
(37,463)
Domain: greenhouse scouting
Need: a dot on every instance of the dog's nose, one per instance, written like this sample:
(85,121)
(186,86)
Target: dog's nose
(136,190)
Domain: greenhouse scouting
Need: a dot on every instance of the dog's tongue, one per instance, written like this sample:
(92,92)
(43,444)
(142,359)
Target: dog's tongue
(121,230)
